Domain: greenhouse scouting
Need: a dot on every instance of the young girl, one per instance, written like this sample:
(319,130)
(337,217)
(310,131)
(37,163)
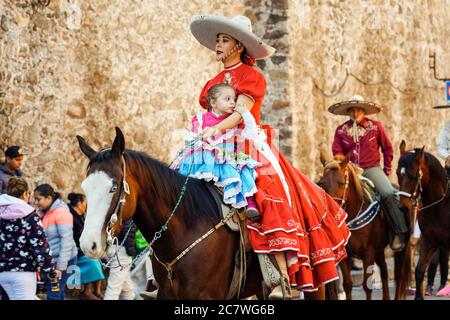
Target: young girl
(58,225)
(220,158)
(24,249)
(91,274)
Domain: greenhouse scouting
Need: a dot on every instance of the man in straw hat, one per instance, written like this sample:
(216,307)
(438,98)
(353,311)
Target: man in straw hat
(361,139)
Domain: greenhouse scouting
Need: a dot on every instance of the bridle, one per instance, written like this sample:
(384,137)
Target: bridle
(111,238)
(417,188)
(125,189)
(414,196)
(343,200)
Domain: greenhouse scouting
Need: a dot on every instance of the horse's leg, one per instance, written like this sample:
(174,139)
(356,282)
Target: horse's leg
(425,254)
(331,290)
(346,265)
(254,279)
(402,271)
(368,263)
(380,259)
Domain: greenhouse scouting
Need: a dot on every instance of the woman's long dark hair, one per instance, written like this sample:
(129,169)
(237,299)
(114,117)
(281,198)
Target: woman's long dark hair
(247,59)
(75,198)
(47,190)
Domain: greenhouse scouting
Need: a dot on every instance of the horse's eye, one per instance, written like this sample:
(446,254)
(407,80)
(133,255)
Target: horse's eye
(113,188)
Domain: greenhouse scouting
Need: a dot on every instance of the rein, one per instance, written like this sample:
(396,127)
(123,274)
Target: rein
(343,200)
(169,266)
(418,191)
(113,240)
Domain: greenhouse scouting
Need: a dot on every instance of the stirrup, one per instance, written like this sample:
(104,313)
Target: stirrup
(397,243)
(149,295)
(283,291)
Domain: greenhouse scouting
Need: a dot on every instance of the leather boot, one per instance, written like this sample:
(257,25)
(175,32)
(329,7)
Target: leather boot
(397,222)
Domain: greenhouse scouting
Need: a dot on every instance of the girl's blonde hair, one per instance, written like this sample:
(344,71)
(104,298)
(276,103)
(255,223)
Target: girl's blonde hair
(214,91)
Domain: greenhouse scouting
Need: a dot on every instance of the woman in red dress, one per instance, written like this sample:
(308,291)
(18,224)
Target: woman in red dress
(300,224)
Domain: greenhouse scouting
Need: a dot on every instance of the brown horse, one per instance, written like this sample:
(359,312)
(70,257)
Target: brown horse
(421,175)
(124,184)
(369,239)
(193,254)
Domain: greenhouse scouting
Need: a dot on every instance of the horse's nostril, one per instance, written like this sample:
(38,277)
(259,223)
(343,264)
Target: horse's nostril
(94,246)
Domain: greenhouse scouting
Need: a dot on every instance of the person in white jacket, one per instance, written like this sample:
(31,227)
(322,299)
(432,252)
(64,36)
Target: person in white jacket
(444,147)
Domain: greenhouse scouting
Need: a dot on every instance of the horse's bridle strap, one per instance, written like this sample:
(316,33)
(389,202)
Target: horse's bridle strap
(117,210)
(169,266)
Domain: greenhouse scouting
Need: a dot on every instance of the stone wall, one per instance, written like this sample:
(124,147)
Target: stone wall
(270,22)
(84,67)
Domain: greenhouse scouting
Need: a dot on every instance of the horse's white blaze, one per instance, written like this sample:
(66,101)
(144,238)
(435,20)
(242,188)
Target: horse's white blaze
(402,171)
(97,188)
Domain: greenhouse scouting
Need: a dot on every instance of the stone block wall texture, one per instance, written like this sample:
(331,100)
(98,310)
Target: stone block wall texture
(84,67)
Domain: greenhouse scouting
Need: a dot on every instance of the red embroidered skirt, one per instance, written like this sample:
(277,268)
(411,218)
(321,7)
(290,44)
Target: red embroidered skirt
(312,233)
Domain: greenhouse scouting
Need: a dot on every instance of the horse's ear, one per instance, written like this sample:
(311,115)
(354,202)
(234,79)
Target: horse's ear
(402,147)
(323,157)
(85,148)
(420,152)
(118,146)
(345,161)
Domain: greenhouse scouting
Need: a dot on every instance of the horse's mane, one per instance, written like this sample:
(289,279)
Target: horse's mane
(167,183)
(354,170)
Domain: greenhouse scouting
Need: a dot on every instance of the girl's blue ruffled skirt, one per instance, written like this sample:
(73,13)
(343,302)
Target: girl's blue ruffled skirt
(237,180)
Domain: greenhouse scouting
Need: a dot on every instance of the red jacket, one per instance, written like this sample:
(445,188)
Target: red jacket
(365,153)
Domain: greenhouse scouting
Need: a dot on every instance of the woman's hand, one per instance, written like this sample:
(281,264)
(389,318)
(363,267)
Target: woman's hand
(240,108)
(209,132)
(58,274)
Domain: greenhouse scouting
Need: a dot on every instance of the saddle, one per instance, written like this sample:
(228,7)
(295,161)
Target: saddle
(372,197)
(237,223)
(370,193)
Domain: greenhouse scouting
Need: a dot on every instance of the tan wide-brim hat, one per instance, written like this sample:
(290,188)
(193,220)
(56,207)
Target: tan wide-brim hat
(206,28)
(342,108)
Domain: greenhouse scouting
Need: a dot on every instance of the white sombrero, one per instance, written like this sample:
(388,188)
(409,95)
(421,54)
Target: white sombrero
(206,28)
(356,101)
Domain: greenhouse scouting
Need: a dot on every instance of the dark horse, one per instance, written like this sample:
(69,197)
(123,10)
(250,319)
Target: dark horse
(421,175)
(150,191)
(193,254)
(368,242)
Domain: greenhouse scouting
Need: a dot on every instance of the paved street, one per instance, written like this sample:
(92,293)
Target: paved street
(359,294)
